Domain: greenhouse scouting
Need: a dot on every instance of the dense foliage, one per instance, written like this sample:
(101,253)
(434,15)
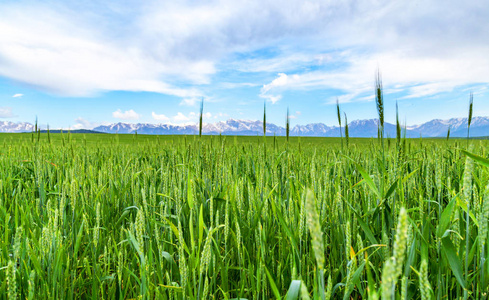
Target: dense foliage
(109,216)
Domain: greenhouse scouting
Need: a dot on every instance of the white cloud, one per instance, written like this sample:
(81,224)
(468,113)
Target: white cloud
(281,63)
(272,98)
(418,51)
(219,115)
(6,112)
(127,115)
(418,76)
(180,117)
(63,52)
(81,123)
(159,117)
(233,85)
(17,96)
(191,117)
(190,101)
(175,47)
(282,81)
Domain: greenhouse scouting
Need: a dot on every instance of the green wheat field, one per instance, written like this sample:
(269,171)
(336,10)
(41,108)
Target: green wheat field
(182,217)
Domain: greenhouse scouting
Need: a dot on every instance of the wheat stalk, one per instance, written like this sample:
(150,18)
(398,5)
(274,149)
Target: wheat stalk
(379,100)
(339,120)
(201,117)
(469,120)
(287,125)
(424,284)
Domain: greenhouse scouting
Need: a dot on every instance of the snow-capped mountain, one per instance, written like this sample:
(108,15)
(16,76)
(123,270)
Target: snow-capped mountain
(229,127)
(369,128)
(315,129)
(7,126)
(241,127)
(458,127)
(357,128)
(147,128)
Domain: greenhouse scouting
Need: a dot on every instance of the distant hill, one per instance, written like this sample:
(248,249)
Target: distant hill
(357,128)
(71,131)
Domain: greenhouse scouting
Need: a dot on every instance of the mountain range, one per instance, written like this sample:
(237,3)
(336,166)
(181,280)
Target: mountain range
(7,126)
(358,128)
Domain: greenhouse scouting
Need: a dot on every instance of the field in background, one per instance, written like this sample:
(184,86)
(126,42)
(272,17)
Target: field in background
(175,217)
(103,139)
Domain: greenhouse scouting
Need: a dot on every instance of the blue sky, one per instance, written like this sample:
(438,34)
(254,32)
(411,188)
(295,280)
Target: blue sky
(79,64)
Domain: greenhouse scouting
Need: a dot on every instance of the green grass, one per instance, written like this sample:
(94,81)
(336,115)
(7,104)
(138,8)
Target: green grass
(175,217)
